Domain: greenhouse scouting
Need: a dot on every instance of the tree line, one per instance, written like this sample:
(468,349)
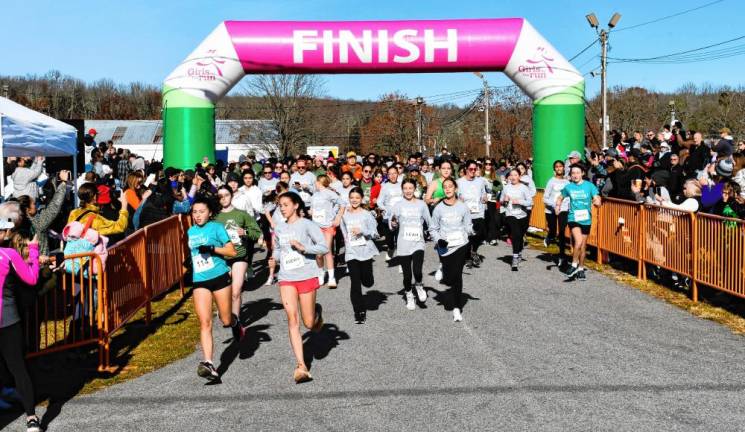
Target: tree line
(303,115)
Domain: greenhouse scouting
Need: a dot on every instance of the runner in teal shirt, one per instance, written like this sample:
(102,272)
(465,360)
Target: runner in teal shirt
(580,201)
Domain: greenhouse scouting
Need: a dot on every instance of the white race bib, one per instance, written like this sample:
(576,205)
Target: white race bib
(473,206)
(455,239)
(413,234)
(356,240)
(305,196)
(319,216)
(489,197)
(292,260)
(234,237)
(202,263)
(581,215)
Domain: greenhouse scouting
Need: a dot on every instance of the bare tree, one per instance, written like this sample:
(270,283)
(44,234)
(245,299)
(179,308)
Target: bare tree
(288,100)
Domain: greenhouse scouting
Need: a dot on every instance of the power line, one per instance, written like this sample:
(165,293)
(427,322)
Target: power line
(682,55)
(666,17)
(583,50)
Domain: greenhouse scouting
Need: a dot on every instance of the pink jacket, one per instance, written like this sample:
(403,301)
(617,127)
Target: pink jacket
(27,271)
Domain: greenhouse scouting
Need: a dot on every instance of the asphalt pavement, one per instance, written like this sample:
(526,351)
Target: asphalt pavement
(534,352)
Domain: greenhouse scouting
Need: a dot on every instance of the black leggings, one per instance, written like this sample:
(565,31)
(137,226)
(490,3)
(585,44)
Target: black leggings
(557,225)
(452,274)
(360,273)
(390,236)
(518,228)
(479,228)
(411,263)
(493,221)
(11,354)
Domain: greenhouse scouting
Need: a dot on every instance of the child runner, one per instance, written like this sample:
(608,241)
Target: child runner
(472,190)
(238,224)
(359,228)
(390,194)
(435,194)
(515,199)
(556,217)
(209,244)
(297,242)
(409,216)
(450,229)
(582,196)
(326,211)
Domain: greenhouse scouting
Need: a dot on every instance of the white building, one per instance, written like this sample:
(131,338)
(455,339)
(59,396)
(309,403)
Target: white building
(233,138)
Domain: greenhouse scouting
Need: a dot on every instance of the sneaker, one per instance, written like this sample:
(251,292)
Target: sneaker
(457,316)
(360,317)
(572,271)
(438,275)
(269,281)
(321,279)
(319,319)
(238,332)
(331,283)
(546,242)
(400,270)
(493,242)
(388,256)
(33,424)
(420,292)
(515,262)
(301,375)
(476,260)
(207,371)
(410,304)
(581,276)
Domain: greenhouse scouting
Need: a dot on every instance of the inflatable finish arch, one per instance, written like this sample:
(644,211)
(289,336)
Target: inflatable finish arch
(237,48)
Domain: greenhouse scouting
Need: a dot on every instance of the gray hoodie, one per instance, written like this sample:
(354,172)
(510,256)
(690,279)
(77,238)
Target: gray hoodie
(24,180)
(451,223)
(473,193)
(360,248)
(296,266)
(519,192)
(390,194)
(411,216)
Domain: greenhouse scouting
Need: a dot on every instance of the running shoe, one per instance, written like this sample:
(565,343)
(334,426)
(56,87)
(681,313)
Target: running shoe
(438,275)
(457,316)
(331,284)
(388,256)
(515,262)
(301,375)
(493,242)
(476,260)
(400,270)
(319,319)
(420,292)
(581,276)
(321,279)
(360,317)
(33,425)
(410,304)
(207,371)
(546,242)
(572,271)
(269,281)
(238,332)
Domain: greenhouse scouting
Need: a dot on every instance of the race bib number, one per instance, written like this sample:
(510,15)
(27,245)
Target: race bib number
(355,240)
(234,237)
(581,215)
(473,206)
(292,260)
(489,197)
(319,216)
(202,263)
(413,234)
(456,238)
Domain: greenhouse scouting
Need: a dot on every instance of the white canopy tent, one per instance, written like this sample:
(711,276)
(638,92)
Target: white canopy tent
(28,133)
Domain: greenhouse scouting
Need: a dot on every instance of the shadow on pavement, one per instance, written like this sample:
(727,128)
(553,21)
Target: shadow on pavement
(318,345)
(444,297)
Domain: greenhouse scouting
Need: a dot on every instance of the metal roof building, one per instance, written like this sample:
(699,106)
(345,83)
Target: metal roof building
(232,137)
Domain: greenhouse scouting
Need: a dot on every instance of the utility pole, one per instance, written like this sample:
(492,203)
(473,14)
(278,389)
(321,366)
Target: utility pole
(487,136)
(419,103)
(603,34)
(6,87)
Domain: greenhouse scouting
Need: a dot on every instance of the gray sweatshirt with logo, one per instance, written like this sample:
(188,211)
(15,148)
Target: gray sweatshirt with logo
(410,216)
(473,193)
(310,236)
(451,223)
(360,248)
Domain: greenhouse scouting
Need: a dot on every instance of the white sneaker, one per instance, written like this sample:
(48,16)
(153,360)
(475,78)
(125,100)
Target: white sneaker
(457,317)
(438,275)
(321,279)
(400,270)
(410,304)
(420,292)
(331,283)
(388,256)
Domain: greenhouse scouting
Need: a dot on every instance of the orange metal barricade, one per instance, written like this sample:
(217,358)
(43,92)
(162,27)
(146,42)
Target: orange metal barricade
(164,255)
(720,253)
(620,229)
(68,313)
(538,215)
(668,239)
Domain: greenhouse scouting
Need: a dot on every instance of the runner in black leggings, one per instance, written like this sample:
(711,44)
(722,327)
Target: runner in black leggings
(516,198)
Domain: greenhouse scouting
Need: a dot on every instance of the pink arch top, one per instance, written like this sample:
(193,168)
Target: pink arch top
(374,46)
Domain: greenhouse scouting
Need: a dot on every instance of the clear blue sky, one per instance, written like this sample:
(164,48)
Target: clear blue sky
(143,40)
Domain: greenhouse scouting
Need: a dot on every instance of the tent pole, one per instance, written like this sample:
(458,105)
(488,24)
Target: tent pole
(74,181)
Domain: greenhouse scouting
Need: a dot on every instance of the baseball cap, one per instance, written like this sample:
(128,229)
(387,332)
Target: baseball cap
(411,168)
(104,195)
(612,153)
(574,154)
(92,132)
(351,154)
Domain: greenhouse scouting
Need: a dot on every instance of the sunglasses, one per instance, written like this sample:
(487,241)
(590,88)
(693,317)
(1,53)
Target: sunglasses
(366,171)
(223,195)
(471,169)
(267,172)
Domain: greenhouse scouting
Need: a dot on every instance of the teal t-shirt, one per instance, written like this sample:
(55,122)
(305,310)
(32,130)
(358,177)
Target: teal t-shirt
(207,267)
(580,201)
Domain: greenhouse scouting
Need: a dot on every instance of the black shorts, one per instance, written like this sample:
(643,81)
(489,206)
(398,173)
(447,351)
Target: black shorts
(231,261)
(585,228)
(215,284)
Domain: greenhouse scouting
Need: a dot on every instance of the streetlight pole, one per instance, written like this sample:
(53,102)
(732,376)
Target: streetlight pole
(603,34)
(419,103)
(487,136)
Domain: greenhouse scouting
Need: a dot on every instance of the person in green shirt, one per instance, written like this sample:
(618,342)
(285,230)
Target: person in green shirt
(242,229)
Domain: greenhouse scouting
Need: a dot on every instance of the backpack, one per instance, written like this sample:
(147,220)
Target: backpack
(81,238)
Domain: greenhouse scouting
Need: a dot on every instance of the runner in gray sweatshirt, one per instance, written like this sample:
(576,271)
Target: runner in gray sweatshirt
(409,216)
(359,228)
(473,191)
(515,199)
(390,195)
(451,226)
